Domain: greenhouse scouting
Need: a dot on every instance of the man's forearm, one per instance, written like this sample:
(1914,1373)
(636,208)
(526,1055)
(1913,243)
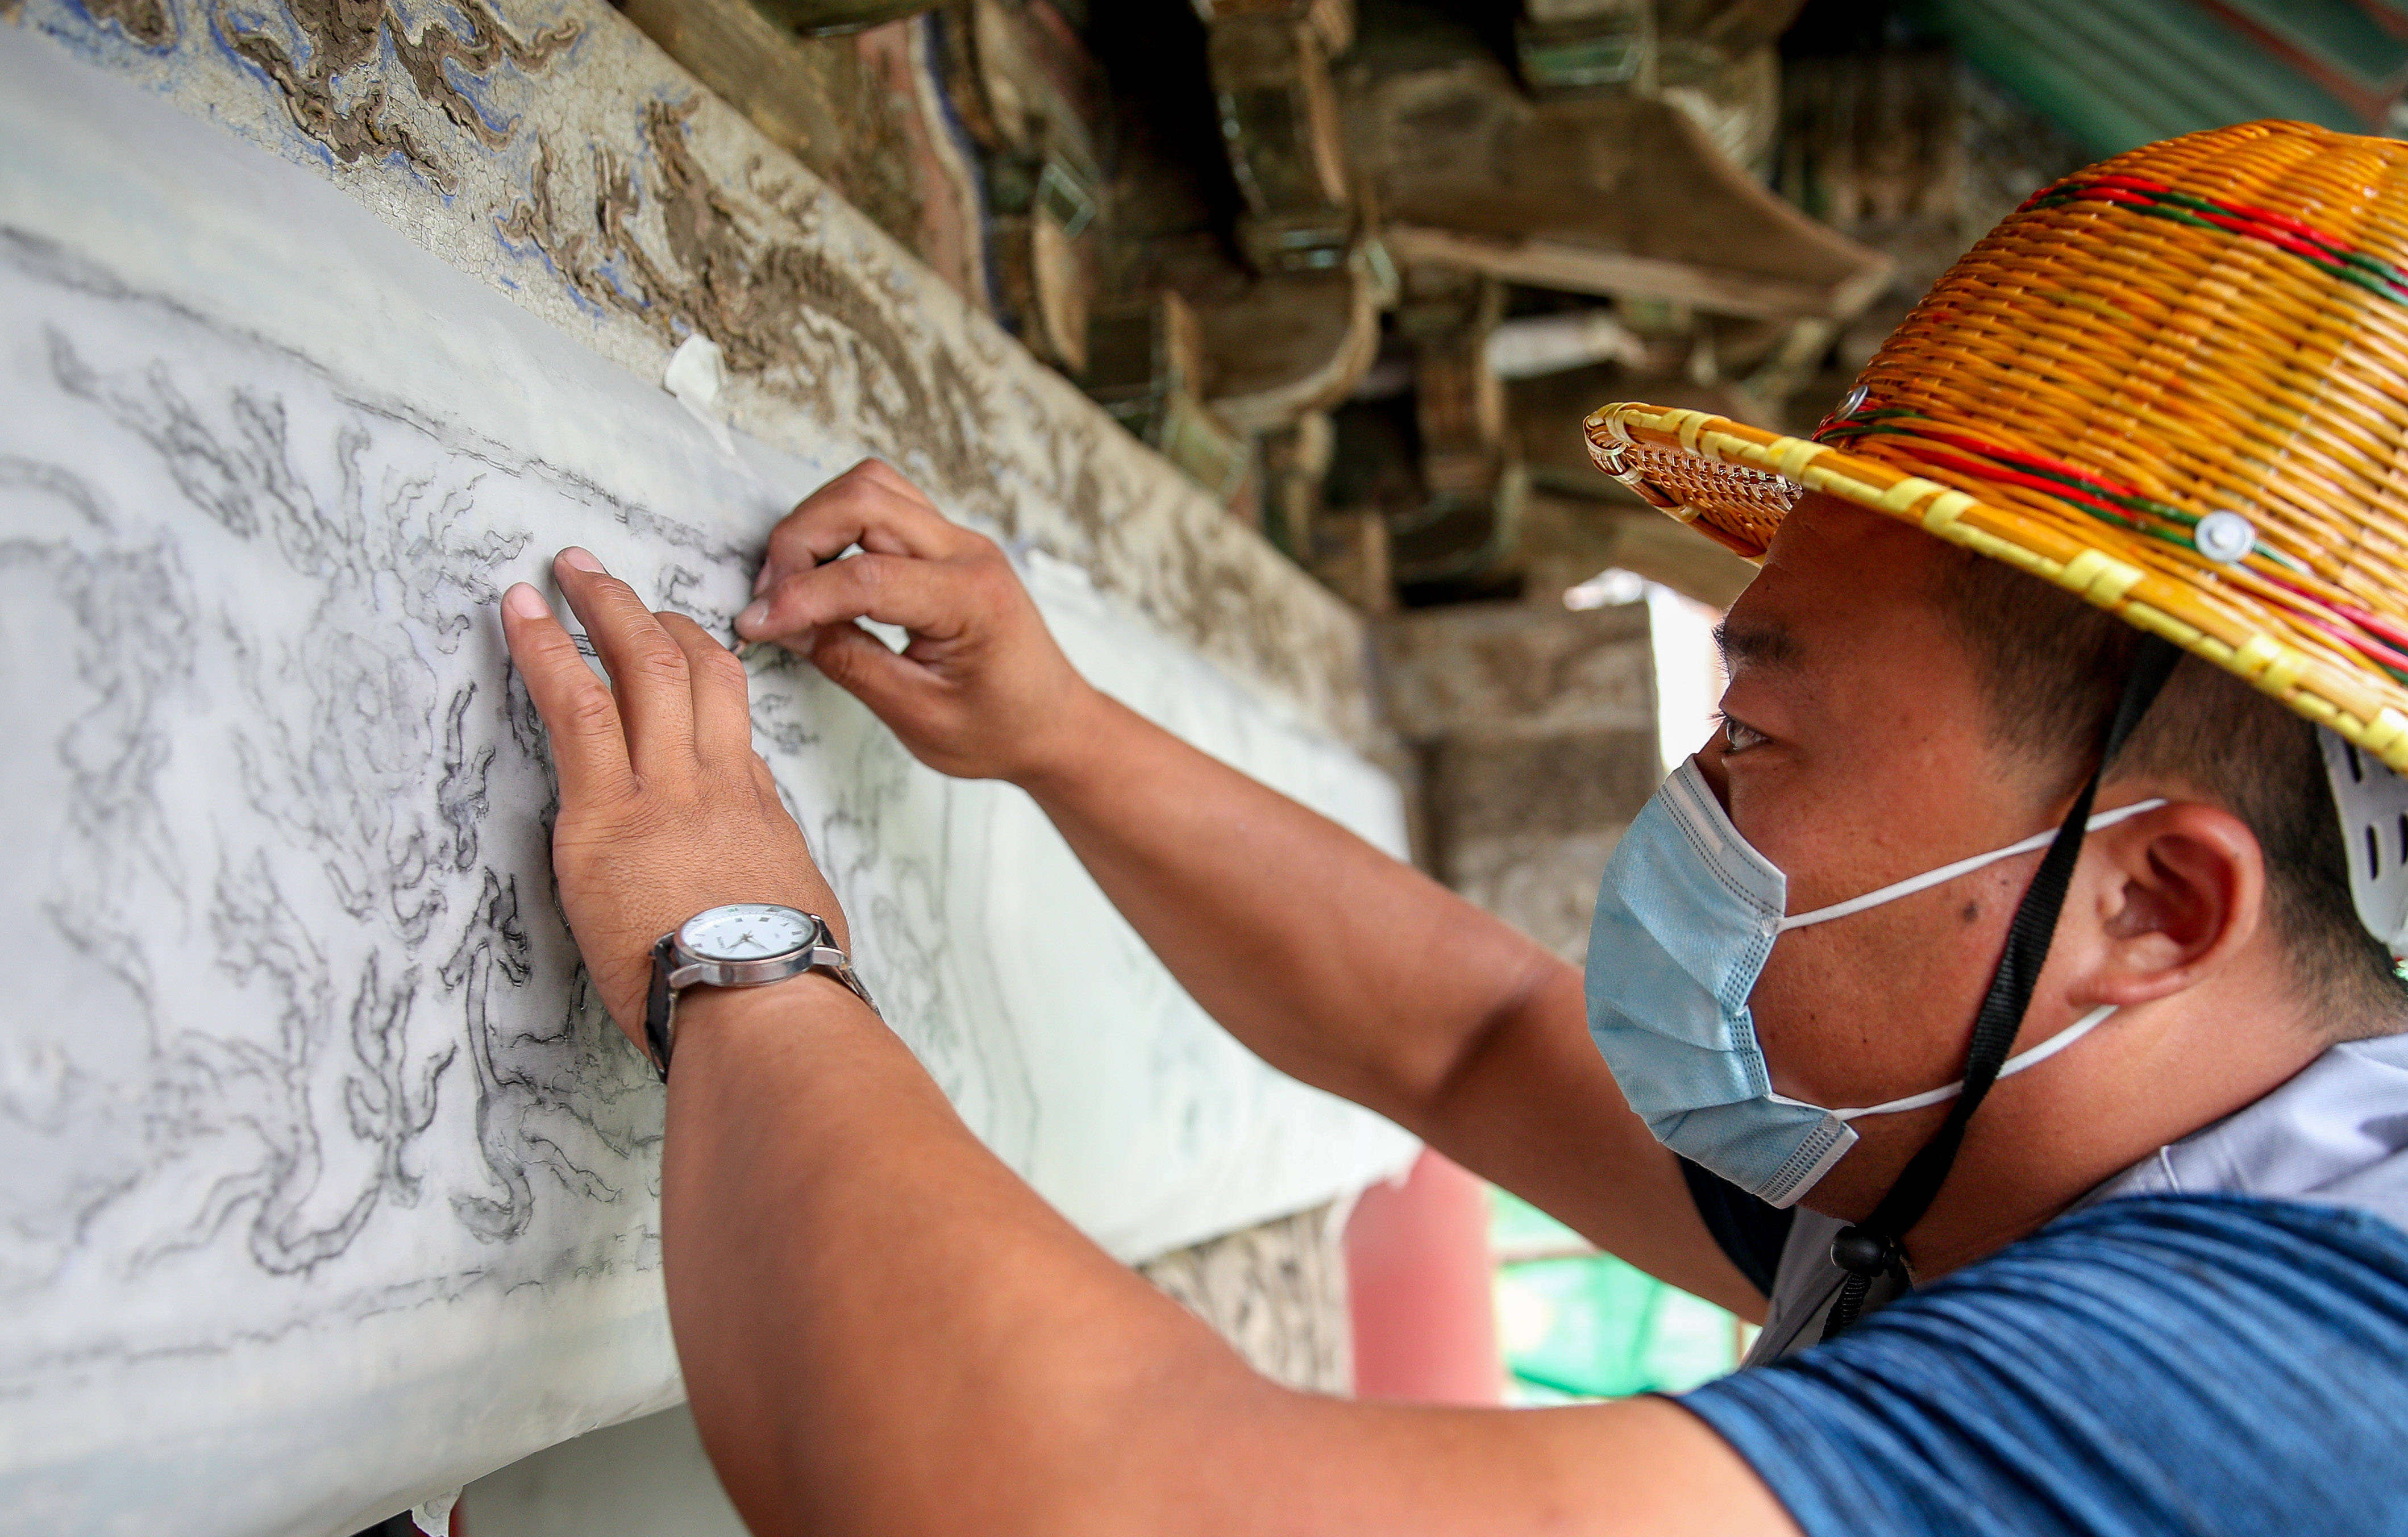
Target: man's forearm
(884,1331)
(1335,962)
(1358,973)
(882,1328)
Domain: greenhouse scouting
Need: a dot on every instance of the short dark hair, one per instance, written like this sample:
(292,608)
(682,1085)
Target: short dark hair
(2050,667)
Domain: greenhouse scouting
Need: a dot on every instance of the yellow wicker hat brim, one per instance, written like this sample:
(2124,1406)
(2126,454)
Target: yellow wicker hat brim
(1736,484)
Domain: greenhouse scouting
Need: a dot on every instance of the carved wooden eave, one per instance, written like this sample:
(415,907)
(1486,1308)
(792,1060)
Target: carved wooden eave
(865,111)
(1622,196)
(593,182)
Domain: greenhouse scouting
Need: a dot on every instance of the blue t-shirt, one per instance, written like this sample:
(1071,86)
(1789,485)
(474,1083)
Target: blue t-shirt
(2150,1365)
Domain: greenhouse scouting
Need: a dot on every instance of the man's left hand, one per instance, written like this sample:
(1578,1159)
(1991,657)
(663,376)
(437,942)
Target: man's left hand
(664,808)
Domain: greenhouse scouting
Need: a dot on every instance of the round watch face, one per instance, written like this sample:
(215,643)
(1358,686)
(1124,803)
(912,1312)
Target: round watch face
(746,931)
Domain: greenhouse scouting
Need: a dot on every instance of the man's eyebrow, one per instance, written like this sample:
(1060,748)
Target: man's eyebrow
(1758,644)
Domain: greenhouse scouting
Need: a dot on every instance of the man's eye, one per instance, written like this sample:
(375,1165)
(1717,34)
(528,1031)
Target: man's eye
(1738,736)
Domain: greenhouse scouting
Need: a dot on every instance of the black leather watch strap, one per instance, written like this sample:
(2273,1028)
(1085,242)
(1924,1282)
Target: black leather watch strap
(670,962)
(659,1003)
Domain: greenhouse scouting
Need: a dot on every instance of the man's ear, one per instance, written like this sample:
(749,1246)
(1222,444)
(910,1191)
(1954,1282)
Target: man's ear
(2176,894)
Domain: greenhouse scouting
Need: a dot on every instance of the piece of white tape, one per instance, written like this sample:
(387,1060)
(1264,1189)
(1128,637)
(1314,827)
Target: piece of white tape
(434,1516)
(697,373)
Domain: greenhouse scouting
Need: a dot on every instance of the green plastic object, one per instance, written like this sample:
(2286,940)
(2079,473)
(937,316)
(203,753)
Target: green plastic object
(1583,1326)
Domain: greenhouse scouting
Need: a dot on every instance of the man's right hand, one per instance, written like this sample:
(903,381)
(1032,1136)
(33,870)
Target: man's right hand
(981,691)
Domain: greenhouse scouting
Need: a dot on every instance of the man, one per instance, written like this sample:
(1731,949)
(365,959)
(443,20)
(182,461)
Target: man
(1964,843)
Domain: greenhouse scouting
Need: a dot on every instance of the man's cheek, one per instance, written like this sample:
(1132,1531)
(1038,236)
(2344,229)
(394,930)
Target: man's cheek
(1874,1006)
(1809,1014)
(1847,1014)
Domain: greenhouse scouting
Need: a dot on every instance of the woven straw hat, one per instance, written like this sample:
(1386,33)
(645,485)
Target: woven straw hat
(2175,383)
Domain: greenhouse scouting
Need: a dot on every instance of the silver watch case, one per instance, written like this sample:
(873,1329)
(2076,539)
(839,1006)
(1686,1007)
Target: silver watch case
(678,966)
(817,952)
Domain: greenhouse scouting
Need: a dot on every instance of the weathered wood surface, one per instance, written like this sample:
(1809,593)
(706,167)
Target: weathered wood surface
(1613,195)
(862,110)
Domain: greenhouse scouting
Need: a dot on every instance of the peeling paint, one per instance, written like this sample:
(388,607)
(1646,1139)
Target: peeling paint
(340,39)
(751,293)
(149,22)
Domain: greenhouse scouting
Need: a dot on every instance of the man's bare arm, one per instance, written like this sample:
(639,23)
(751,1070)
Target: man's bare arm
(882,1330)
(1358,974)
(1334,962)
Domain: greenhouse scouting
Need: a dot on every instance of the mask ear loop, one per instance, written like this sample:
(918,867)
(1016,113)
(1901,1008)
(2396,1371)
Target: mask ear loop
(1875,1245)
(1946,873)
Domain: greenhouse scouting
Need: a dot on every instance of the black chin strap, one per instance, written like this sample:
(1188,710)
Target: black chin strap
(1875,1245)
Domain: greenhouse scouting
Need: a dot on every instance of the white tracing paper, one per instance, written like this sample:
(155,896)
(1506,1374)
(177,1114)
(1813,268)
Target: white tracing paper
(327,1191)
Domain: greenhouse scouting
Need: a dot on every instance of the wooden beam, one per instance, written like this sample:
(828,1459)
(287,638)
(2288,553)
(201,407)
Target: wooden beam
(1617,195)
(1590,269)
(1294,343)
(863,111)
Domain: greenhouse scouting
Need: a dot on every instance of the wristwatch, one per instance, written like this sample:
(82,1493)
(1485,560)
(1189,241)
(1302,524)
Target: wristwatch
(746,944)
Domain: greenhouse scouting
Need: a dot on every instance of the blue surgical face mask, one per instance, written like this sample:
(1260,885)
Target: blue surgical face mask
(1685,918)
